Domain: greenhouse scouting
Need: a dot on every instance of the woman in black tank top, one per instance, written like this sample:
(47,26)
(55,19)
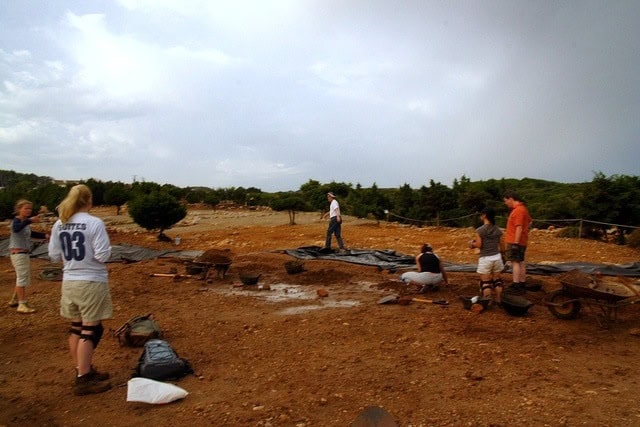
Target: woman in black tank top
(431,272)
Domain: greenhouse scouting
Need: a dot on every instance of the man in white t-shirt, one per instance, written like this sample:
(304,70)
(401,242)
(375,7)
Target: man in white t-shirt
(335,223)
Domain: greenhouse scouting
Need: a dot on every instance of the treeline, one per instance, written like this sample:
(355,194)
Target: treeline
(606,199)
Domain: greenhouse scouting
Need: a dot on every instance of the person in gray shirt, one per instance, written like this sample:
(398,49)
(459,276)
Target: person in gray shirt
(20,249)
(490,242)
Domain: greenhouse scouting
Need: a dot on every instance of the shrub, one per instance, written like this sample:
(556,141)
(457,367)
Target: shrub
(633,239)
(568,232)
(156,210)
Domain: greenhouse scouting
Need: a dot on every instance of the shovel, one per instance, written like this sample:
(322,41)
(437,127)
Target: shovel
(395,299)
(177,277)
(408,300)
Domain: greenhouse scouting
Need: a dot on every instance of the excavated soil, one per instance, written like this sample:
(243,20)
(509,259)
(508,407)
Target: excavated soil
(280,354)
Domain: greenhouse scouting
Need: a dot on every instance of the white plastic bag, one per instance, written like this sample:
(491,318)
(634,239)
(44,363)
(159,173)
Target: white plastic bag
(150,391)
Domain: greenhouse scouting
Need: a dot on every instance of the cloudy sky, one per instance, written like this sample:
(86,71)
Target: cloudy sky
(270,94)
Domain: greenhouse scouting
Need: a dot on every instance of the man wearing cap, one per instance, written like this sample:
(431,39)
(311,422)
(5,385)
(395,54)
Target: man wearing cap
(335,223)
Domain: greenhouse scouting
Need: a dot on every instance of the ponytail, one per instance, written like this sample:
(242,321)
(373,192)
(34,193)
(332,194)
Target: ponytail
(78,198)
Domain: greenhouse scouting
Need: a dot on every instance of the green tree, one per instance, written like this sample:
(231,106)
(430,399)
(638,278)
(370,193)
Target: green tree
(435,199)
(156,211)
(290,202)
(11,179)
(195,196)
(471,196)
(254,197)
(211,199)
(140,188)
(177,192)
(403,201)
(7,203)
(97,191)
(315,195)
(614,199)
(116,194)
(49,195)
(379,204)
(365,202)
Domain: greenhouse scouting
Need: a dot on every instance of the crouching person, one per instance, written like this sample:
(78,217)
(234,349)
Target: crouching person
(431,273)
(80,240)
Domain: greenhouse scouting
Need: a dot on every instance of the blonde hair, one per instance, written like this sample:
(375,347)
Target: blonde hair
(78,198)
(19,204)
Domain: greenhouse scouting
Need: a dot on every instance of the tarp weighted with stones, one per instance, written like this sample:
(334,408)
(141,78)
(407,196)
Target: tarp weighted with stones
(391,260)
(384,259)
(119,253)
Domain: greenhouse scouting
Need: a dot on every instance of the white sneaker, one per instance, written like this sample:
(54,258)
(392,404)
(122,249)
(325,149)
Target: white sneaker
(25,308)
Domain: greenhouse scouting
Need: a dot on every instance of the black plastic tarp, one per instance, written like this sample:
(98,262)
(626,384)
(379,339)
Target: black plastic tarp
(391,260)
(119,253)
(384,259)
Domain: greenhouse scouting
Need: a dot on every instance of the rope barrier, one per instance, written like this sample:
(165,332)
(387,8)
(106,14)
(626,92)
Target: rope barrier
(434,221)
(543,221)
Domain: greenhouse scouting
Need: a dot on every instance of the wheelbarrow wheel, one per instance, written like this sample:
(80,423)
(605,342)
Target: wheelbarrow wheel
(562,305)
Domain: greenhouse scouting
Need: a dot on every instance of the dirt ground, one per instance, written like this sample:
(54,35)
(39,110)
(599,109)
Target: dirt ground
(287,357)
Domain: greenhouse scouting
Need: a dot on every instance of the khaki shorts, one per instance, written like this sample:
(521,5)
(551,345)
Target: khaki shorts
(86,300)
(22,265)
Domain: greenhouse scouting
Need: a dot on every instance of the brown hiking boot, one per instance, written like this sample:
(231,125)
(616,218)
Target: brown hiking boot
(97,375)
(89,384)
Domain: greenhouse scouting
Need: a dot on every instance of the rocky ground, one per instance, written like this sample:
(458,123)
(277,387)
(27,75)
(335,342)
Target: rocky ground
(287,357)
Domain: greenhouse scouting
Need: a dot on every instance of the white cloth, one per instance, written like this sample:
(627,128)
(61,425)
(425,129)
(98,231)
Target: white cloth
(151,391)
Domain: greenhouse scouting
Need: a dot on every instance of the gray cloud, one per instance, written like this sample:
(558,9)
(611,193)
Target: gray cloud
(271,94)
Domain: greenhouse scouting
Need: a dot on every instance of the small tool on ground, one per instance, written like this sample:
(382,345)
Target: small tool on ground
(395,299)
(177,277)
(409,300)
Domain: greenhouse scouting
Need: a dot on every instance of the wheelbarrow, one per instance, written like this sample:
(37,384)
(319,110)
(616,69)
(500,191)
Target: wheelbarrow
(216,259)
(593,291)
(204,268)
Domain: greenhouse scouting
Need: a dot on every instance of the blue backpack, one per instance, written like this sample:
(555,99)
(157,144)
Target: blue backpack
(160,362)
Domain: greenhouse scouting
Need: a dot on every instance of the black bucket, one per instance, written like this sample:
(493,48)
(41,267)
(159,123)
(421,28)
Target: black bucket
(515,305)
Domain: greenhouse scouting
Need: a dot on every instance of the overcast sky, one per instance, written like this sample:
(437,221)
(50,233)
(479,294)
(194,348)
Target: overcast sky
(270,94)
